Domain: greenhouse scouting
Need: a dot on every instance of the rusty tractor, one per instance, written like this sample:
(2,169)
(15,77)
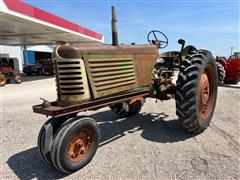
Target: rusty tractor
(7,73)
(92,76)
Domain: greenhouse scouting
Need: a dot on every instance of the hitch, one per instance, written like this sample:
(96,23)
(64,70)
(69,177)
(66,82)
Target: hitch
(45,103)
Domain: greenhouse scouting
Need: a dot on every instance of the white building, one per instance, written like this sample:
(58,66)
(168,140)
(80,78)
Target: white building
(24,27)
(18,51)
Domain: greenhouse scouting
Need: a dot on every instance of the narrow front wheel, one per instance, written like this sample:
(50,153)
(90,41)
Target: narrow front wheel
(46,136)
(75,144)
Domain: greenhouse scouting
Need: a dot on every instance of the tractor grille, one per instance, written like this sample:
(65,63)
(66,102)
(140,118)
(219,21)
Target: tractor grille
(72,81)
(111,75)
(70,77)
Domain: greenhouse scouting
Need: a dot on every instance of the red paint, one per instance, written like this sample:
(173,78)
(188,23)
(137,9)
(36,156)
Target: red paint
(232,70)
(26,9)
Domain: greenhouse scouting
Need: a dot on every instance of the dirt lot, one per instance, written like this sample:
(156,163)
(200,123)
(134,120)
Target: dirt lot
(150,145)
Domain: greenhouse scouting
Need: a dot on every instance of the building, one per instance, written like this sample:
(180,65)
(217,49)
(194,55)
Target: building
(29,33)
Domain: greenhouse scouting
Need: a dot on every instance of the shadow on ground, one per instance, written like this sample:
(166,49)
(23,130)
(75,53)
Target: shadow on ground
(235,86)
(28,164)
(154,127)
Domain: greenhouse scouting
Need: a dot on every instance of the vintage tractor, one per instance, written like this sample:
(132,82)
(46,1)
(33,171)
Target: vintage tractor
(43,67)
(229,69)
(92,76)
(7,73)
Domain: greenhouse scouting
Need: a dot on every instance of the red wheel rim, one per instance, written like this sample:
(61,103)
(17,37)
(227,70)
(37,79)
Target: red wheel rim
(206,92)
(80,145)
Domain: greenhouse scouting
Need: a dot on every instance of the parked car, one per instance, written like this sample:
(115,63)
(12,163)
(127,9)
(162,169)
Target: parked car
(43,67)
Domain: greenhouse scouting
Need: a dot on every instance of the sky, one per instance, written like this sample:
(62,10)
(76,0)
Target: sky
(205,24)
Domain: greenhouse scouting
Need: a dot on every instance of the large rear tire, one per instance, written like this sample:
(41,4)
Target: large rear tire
(75,144)
(196,91)
(220,72)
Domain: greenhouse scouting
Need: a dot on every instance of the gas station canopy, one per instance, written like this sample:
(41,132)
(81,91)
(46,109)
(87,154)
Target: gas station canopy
(23,24)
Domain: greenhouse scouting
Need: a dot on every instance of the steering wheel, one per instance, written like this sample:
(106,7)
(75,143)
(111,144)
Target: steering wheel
(152,39)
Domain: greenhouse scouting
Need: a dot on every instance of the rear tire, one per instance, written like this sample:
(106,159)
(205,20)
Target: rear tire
(3,80)
(196,91)
(75,144)
(220,72)
(126,109)
(47,70)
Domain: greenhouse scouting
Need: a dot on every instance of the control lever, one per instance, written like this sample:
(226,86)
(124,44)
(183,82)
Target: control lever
(181,42)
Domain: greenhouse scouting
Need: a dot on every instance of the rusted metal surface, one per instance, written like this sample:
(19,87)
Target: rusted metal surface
(80,145)
(71,78)
(110,69)
(57,111)
(55,56)
(109,74)
(206,87)
(144,64)
(68,52)
(45,103)
(77,51)
(169,54)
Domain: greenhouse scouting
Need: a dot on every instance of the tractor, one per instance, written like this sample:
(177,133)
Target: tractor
(229,69)
(43,67)
(92,76)
(7,73)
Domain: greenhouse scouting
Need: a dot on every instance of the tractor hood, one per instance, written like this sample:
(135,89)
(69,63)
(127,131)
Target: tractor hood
(79,50)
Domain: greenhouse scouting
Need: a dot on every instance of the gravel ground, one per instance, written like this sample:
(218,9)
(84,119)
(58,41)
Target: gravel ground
(150,145)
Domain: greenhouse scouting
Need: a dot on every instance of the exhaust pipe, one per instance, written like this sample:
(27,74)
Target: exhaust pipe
(114,27)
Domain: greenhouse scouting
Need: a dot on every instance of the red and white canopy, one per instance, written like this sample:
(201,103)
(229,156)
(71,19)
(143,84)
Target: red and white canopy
(21,23)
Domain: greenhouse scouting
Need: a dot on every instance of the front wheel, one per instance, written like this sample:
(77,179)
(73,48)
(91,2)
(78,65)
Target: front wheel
(75,144)
(196,91)
(46,135)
